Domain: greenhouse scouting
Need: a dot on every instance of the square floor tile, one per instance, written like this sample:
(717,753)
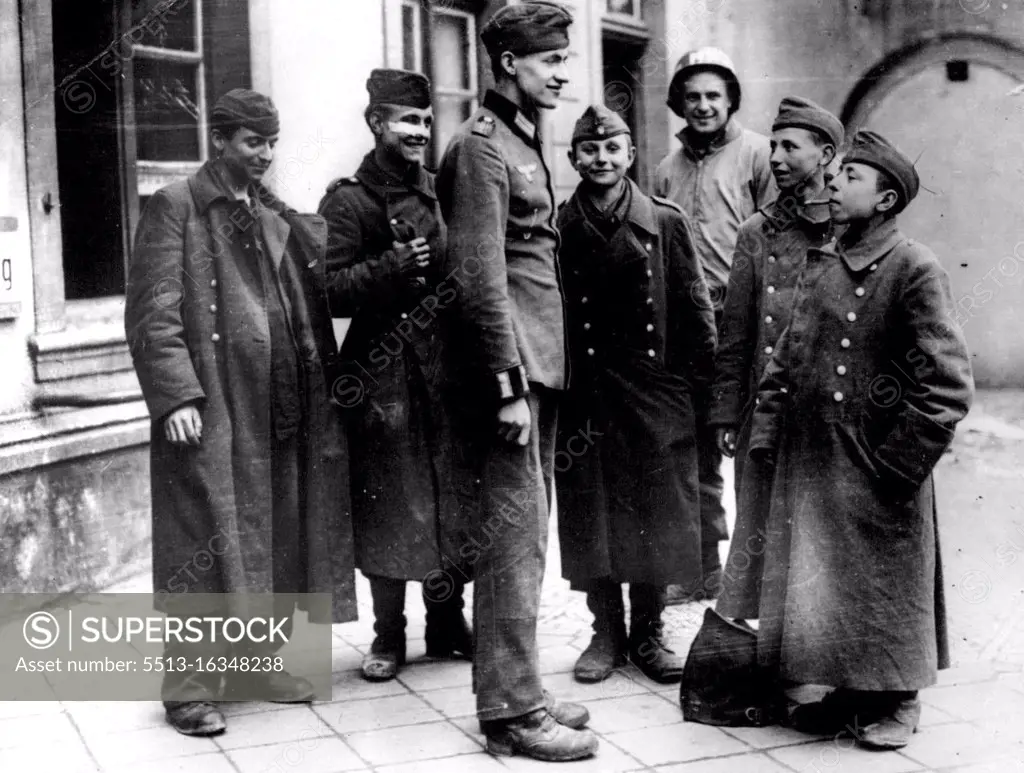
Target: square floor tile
(677,743)
(141,746)
(436,674)
(377,713)
(558,659)
(37,730)
(293,723)
(11,709)
(350,686)
(744,763)
(609,759)
(464,763)
(960,743)
(453,702)
(309,755)
(99,717)
(621,684)
(418,742)
(975,701)
(632,713)
(67,757)
(199,763)
(770,737)
(842,756)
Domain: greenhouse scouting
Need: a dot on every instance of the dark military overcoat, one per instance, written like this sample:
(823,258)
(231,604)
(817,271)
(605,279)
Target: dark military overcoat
(406,520)
(858,404)
(197,327)
(641,349)
(770,254)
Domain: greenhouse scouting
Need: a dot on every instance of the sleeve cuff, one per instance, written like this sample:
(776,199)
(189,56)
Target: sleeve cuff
(511,384)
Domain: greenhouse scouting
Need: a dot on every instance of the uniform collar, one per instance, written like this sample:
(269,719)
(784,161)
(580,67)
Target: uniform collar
(639,213)
(871,247)
(787,208)
(510,114)
(209,184)
(732,132)
(383,182)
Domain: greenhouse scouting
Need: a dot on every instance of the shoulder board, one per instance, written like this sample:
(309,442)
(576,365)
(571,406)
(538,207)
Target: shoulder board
(667,203)
(335,184)
(484,126)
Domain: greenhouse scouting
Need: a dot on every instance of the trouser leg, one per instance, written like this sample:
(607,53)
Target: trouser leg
(388,608)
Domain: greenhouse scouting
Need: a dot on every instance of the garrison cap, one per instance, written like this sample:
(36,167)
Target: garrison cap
(246,108)
(598,122)
(527,28)
(399,87)
(805,114)
(871,148)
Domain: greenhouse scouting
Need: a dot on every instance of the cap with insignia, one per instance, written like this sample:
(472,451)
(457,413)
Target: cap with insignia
(527,28)
(804,114)
(399,87)
(598,122)
(871,148)
(248,109)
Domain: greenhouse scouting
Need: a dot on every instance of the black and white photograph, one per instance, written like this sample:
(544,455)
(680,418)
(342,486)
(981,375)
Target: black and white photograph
(482,385)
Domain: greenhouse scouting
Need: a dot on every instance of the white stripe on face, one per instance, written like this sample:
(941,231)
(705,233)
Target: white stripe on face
(406,129)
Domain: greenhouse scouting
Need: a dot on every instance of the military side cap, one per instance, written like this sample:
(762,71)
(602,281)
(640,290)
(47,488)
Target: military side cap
(598,122)
(804,114)
(527,28)
(246,108)
(871,148)
(399,87)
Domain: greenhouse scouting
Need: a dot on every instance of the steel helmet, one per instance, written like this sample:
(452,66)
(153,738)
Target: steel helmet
(703,59)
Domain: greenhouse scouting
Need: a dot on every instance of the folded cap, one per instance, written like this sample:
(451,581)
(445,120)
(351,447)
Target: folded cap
(871,148)
(527,28)
(805,114)
(246,108)
(399,87)
(598,122)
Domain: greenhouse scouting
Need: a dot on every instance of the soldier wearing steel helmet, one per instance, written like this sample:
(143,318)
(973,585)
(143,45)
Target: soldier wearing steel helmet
(720,176)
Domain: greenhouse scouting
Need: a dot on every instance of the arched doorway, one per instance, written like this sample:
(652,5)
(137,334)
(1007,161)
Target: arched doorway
(949,101)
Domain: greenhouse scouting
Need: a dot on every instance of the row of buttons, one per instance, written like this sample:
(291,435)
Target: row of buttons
(213,310)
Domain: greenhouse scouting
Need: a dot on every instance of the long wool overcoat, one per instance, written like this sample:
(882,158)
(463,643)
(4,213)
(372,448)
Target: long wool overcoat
(197,328)
(406,520)
(858,404)
(641,348)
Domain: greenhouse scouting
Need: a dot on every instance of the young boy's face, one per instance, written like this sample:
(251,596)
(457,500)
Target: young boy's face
(603,162)
(796,155)
(854,194)
(246,154)
(403,132)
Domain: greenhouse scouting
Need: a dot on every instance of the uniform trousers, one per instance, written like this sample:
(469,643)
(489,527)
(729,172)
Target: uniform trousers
(714,528)
(512,490)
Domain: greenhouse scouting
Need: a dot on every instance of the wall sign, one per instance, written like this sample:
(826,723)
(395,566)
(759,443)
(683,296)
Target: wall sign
(9,306)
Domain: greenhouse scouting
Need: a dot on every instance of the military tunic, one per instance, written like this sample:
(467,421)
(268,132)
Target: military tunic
(641,342)
(405,517)
(858,404)
(770,253)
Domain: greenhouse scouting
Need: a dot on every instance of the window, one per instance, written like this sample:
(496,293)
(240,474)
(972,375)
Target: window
(440,40)
(625,8)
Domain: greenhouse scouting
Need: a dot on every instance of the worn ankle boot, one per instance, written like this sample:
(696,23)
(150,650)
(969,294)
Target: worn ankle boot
(897,721)
(607,648)
(387,652)
(647,648)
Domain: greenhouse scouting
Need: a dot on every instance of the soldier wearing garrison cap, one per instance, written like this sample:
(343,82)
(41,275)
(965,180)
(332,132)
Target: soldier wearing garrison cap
(232,342)
(506,336)
(771,250)
(859,402)
(720,176)
(641,346)
(385,243)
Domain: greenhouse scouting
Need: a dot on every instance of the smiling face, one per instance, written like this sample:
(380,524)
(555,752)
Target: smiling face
(402,132)
(539,77)
(602,163)
(854,194)
(246,155)
(706,104)
(796,155)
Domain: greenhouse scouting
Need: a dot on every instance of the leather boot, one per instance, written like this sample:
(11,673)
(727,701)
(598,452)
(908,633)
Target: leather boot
(448,635)
(897,721)
(196,718)
(607,648)
(647,648)
(387,652)
(841,711)
(540,736)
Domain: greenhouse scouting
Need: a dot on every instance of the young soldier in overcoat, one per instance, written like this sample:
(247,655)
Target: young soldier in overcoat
(385,244)
(227,320)
(507,339)
(770,253)
(720,176)
(858,404)
(641,345)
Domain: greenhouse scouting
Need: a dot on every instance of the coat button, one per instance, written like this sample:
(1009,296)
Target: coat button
(583,299)
(648,248)
(650,301)
(873,267)
(771,258)
(213,308)
(650,328)
(586,326)
(213,283)
(837,396)
(841,370)
(650,273)
(769,319)
(768,350)
(590,352)
(651,353)
(851,317)
(404,315)
(771,289)
(845,343)
(394,221)
(859,292)
(215,337)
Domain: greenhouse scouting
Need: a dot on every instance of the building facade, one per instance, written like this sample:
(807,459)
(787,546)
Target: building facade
(104,101)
